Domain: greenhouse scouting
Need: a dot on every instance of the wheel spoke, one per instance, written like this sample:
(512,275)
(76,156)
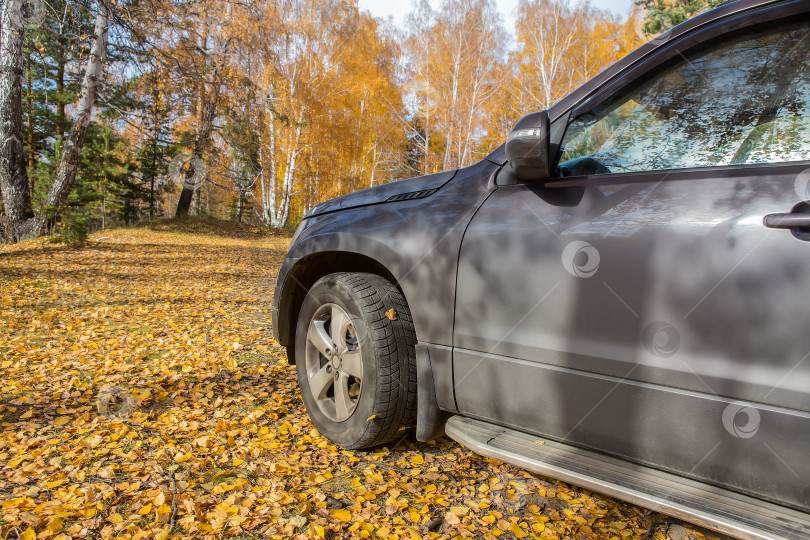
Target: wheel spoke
(334,372)
(352,363)
(343,402)
(338,327)
(316,334)
(320,382)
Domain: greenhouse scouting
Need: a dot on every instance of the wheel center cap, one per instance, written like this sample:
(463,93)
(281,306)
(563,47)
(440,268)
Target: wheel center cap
(335,361)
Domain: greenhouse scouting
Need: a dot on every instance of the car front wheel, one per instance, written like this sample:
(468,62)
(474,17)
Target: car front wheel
(356,360)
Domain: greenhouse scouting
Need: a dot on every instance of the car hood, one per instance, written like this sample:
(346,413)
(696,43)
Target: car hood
(412,188)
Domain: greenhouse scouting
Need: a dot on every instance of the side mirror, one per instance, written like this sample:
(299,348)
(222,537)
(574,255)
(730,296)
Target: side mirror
(527,147)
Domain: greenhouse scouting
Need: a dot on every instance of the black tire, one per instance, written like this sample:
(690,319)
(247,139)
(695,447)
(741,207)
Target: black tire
(386,400)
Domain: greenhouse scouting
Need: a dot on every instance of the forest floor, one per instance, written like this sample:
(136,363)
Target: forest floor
(142,396)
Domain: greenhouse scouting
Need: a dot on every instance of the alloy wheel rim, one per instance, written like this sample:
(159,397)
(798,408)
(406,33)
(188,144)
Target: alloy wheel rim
(334,364)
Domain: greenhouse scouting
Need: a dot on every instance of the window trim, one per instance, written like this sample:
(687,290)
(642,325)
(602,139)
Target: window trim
(764,15)
(722,172)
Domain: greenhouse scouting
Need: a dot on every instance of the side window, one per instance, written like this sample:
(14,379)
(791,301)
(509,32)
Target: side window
(743,100)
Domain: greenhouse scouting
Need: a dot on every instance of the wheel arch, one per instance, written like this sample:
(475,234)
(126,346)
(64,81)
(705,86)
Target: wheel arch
(303,275)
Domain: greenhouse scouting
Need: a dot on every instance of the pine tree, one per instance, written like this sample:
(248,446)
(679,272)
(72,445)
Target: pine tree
(664,14)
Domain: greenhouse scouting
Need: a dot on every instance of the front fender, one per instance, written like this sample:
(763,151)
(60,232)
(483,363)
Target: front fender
(416,242)
(348,242)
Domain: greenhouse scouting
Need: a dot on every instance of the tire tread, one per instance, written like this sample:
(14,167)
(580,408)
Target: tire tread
(394,347)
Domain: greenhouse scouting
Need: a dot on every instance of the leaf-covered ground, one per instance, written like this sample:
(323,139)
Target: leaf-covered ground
(142,396)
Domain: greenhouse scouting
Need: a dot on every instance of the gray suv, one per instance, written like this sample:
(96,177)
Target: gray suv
(626,281)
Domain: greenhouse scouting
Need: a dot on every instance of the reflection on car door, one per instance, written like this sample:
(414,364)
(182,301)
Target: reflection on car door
(641,307)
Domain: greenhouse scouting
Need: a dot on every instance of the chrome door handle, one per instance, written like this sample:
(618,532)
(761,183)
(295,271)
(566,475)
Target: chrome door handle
(787,221)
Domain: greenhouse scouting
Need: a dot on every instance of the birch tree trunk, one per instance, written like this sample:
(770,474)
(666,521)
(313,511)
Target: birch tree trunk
(68,164)
(207,114)
(269,194)
(203,136)
(283,212)
(13,175)
(277,192)
(426,151)
(264,215)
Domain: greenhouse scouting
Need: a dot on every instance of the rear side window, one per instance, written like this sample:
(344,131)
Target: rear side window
(743,100)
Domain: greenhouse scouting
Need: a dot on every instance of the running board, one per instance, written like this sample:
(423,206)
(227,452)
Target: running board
(724,511)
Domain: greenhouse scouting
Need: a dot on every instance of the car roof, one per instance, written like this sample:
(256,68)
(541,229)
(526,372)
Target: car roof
(566,103)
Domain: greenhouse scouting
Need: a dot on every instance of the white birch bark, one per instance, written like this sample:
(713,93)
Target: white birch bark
(82,114)
(14,186)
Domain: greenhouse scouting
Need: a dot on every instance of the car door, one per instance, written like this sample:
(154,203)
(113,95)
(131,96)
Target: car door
(638,304)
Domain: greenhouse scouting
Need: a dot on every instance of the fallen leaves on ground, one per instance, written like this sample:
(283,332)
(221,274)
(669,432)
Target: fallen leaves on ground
(142,396)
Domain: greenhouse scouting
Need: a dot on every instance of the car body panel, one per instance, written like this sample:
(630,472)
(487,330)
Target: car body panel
(688,255)
(662,427)
(417,241)
(384,192)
